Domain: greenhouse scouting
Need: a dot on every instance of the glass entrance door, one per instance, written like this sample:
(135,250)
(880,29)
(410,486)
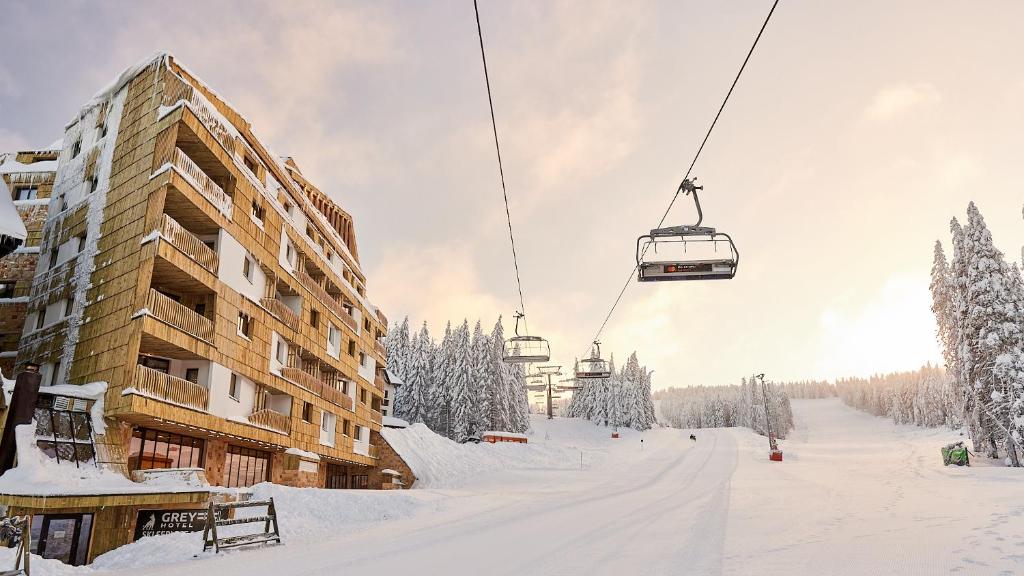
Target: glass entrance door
(63,537)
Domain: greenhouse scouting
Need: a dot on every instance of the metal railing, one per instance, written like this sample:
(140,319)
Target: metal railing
(189,244)
(181,317)
(156,384)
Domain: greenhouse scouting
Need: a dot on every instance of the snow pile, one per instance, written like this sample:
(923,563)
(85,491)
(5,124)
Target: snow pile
(392,422)
(305,515)
(439,462)
(39,475)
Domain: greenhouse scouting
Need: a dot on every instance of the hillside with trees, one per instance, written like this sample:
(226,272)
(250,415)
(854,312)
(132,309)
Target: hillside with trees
(726,406)
(623,400)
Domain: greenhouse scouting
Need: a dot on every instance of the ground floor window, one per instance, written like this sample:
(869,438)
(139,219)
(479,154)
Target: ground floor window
(360,481)
(245,466)
(154,449)
(63,537)
(337,477)
(64,428)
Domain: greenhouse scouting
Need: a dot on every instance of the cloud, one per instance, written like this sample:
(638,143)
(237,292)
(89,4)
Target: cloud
(892,101)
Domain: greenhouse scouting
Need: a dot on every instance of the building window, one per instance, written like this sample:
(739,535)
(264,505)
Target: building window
(151,449)
(362,358)
(154,363)
(345,427)
(81,241)
(40,317)
(289,253)
(258,210)
(366,324)
(333,340)
(314,318)
(68,305)
(351,347)
(54,374)
(244,325)
(233,387)
(359,481)
(247,267)
(7,289)
(53,258)
(192,375)
(94,183)
(328,424)
(362,395)
(63,428)
(26,192)
(76,149)
(281,353)
(357,432)
(251,165)
(337,477)
(307,412)
(245,466)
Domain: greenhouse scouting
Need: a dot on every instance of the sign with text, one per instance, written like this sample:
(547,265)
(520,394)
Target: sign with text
(154,522)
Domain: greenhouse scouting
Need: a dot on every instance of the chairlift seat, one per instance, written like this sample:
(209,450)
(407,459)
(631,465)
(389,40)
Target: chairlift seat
(713,269)
(525,349)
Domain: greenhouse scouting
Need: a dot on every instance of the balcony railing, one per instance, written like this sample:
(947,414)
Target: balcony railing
(188,244)
(267,418)
(376,416)
(181,317)
(282,312)
(302,378)
(379,348)
(178,91)
(349,320)
(156,384)
(378,381)
(335,396)
(203,183)
(320,293)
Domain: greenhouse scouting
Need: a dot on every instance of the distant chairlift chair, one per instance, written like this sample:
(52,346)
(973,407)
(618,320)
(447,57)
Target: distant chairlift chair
(593,367)
(650,270)
(526,349)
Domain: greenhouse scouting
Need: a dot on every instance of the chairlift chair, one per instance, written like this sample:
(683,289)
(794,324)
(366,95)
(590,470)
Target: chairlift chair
(526,349)
(593,367)
(651,269)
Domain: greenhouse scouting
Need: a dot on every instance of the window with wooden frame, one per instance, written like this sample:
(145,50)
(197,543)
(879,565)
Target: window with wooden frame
(244,325)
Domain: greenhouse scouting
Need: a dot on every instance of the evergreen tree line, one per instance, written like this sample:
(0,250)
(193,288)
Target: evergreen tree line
(925,397)
(978,301)
(624,399)
(808,389)
(459,387)
(725,406)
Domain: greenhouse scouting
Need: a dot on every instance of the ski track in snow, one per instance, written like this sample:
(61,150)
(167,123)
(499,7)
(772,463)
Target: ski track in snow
(855,495)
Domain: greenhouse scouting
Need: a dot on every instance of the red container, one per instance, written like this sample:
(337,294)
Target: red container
(615,434)
(775,455)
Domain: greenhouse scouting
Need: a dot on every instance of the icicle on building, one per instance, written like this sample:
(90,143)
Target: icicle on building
(206,299)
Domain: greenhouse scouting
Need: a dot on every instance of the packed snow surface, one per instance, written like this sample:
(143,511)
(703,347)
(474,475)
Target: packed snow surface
(855,495)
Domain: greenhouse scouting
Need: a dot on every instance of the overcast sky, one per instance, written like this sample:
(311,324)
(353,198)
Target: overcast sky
(858,130)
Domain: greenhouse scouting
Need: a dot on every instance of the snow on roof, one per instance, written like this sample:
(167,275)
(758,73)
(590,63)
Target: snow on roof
(504,434)
(303,454)
(39,475)
(120,81)
(394,380)
(10,221)
(392,422)
(390,472)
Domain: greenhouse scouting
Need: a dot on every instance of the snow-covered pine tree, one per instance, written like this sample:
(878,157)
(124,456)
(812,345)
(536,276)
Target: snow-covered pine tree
(461,394)
(441,391)
(500,404)
(480,374)
(399,351)
(993,328)
(518,400)
(420,379)
(963,356)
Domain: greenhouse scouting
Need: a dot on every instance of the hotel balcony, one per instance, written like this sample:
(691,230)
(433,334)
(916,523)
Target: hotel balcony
(173,313)
(189,244)
(281,311)
(270,419)
(330,296)
(379,348)
(284,303)
(318,379)
(198,178)
(162,386)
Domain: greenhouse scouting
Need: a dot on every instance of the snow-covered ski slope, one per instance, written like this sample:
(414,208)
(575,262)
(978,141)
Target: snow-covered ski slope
(856,495)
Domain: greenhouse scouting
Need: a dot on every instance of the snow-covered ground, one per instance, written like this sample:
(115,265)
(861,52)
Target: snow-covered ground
(856,495)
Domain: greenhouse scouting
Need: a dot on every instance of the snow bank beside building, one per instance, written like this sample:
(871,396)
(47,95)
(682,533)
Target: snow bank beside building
(554,444)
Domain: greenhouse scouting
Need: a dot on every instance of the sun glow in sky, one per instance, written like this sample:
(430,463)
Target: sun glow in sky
(850,142)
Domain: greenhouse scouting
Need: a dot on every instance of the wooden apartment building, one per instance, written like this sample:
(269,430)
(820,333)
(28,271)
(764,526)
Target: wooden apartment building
(213,288)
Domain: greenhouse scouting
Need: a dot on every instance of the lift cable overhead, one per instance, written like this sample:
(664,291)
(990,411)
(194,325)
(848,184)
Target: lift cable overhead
(518,349)
(686,182)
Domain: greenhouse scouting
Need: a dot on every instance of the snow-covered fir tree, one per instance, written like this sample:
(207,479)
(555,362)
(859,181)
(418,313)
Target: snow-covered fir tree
(480,370)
